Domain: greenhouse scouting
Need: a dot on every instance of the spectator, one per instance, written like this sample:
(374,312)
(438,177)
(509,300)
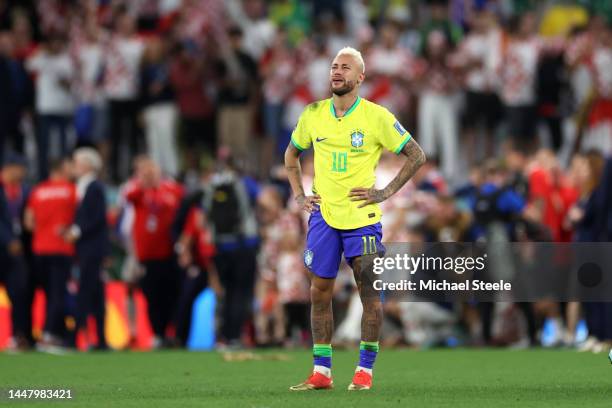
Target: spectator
(281,270)
(201,21)
(231,215)
(236,99)
(54,70)
(13,248)
(259,31)
(600,117)
(552,95)
(294,16)
(190,78)
(91,121)
(495,205)
(317,70)
(277,69)
(586,213)
(391,68)
(156,201)
(483,110)
(16,88)
(518,72)
(448,223)
(438,127)
(90,235)
(516,162)
(195,250)
(160,113)
(50,212)
(550,195)
(121,83)
(23,36)
(439,20)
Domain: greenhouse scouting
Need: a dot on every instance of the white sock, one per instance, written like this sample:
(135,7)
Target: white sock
(367,370)
(323,370)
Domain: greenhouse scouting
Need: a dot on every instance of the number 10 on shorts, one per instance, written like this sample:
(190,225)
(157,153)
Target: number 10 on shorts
(369,244)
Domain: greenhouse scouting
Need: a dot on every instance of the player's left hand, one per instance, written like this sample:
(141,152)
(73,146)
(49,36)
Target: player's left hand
(367,195)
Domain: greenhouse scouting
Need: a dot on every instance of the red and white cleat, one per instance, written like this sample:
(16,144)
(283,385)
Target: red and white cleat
(361,381)
(316,381)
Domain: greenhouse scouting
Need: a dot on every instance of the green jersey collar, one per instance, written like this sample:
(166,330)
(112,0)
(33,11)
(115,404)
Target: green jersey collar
(348,112)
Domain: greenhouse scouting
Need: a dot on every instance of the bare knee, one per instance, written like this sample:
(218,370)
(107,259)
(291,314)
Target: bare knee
(321,291)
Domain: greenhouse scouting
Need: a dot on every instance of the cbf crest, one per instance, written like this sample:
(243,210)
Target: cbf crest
(308,255)
(357,138)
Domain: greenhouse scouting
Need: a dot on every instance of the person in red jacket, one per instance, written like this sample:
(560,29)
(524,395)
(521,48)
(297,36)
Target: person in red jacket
(49,213)
(195,249)
(156,201)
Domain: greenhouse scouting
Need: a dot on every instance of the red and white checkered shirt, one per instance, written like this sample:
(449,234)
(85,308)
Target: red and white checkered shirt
(518,68)
(122,70)
(518,72)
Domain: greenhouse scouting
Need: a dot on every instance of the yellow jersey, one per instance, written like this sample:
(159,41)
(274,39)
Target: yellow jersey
(346,153)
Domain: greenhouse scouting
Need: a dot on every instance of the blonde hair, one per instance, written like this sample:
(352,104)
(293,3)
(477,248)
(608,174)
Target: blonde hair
(353,53)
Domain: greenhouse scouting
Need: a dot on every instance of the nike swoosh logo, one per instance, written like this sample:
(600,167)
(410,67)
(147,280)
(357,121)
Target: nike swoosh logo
(320,140)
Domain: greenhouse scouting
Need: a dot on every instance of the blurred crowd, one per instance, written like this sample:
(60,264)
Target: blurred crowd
(143,140)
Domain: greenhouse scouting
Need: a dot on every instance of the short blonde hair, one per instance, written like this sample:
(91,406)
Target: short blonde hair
(353,53)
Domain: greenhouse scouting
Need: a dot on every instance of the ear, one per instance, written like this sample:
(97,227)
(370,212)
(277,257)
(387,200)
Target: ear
(361,77)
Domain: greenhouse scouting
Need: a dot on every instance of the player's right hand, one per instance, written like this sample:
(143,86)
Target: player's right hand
(309,204)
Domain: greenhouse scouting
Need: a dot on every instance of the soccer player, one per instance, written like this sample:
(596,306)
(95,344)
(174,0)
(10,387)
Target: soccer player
(347,134)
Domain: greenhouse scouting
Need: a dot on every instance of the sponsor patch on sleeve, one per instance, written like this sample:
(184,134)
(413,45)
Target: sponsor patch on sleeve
(400,129)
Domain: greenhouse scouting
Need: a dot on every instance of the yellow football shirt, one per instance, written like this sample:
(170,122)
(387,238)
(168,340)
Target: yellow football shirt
(346,153)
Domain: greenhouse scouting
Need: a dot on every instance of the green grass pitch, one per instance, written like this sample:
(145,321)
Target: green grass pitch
(439,378)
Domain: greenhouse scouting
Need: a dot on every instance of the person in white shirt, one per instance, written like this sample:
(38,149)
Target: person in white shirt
(478,54)
(437,111)
(259,31)
(160,111)
(518,68)
(89,56)
(392,69)
(121,85)
(53,69)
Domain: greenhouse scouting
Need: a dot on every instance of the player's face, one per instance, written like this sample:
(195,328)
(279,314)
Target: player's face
(345,75)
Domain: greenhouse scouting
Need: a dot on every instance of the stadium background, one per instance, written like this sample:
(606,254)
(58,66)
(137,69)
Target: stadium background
(510,94)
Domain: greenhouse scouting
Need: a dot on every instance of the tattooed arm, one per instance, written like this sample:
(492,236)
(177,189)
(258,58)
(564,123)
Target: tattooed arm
(294,174)
(415,157)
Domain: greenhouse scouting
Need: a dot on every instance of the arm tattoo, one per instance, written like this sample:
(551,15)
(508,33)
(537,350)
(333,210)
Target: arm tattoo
(415,159)
(294,169)
(295,173)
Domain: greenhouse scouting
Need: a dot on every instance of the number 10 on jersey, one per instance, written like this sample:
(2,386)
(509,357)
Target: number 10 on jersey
(339,162)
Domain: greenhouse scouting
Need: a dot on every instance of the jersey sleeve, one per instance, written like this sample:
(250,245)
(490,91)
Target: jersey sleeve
(392,134)
(300,137)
